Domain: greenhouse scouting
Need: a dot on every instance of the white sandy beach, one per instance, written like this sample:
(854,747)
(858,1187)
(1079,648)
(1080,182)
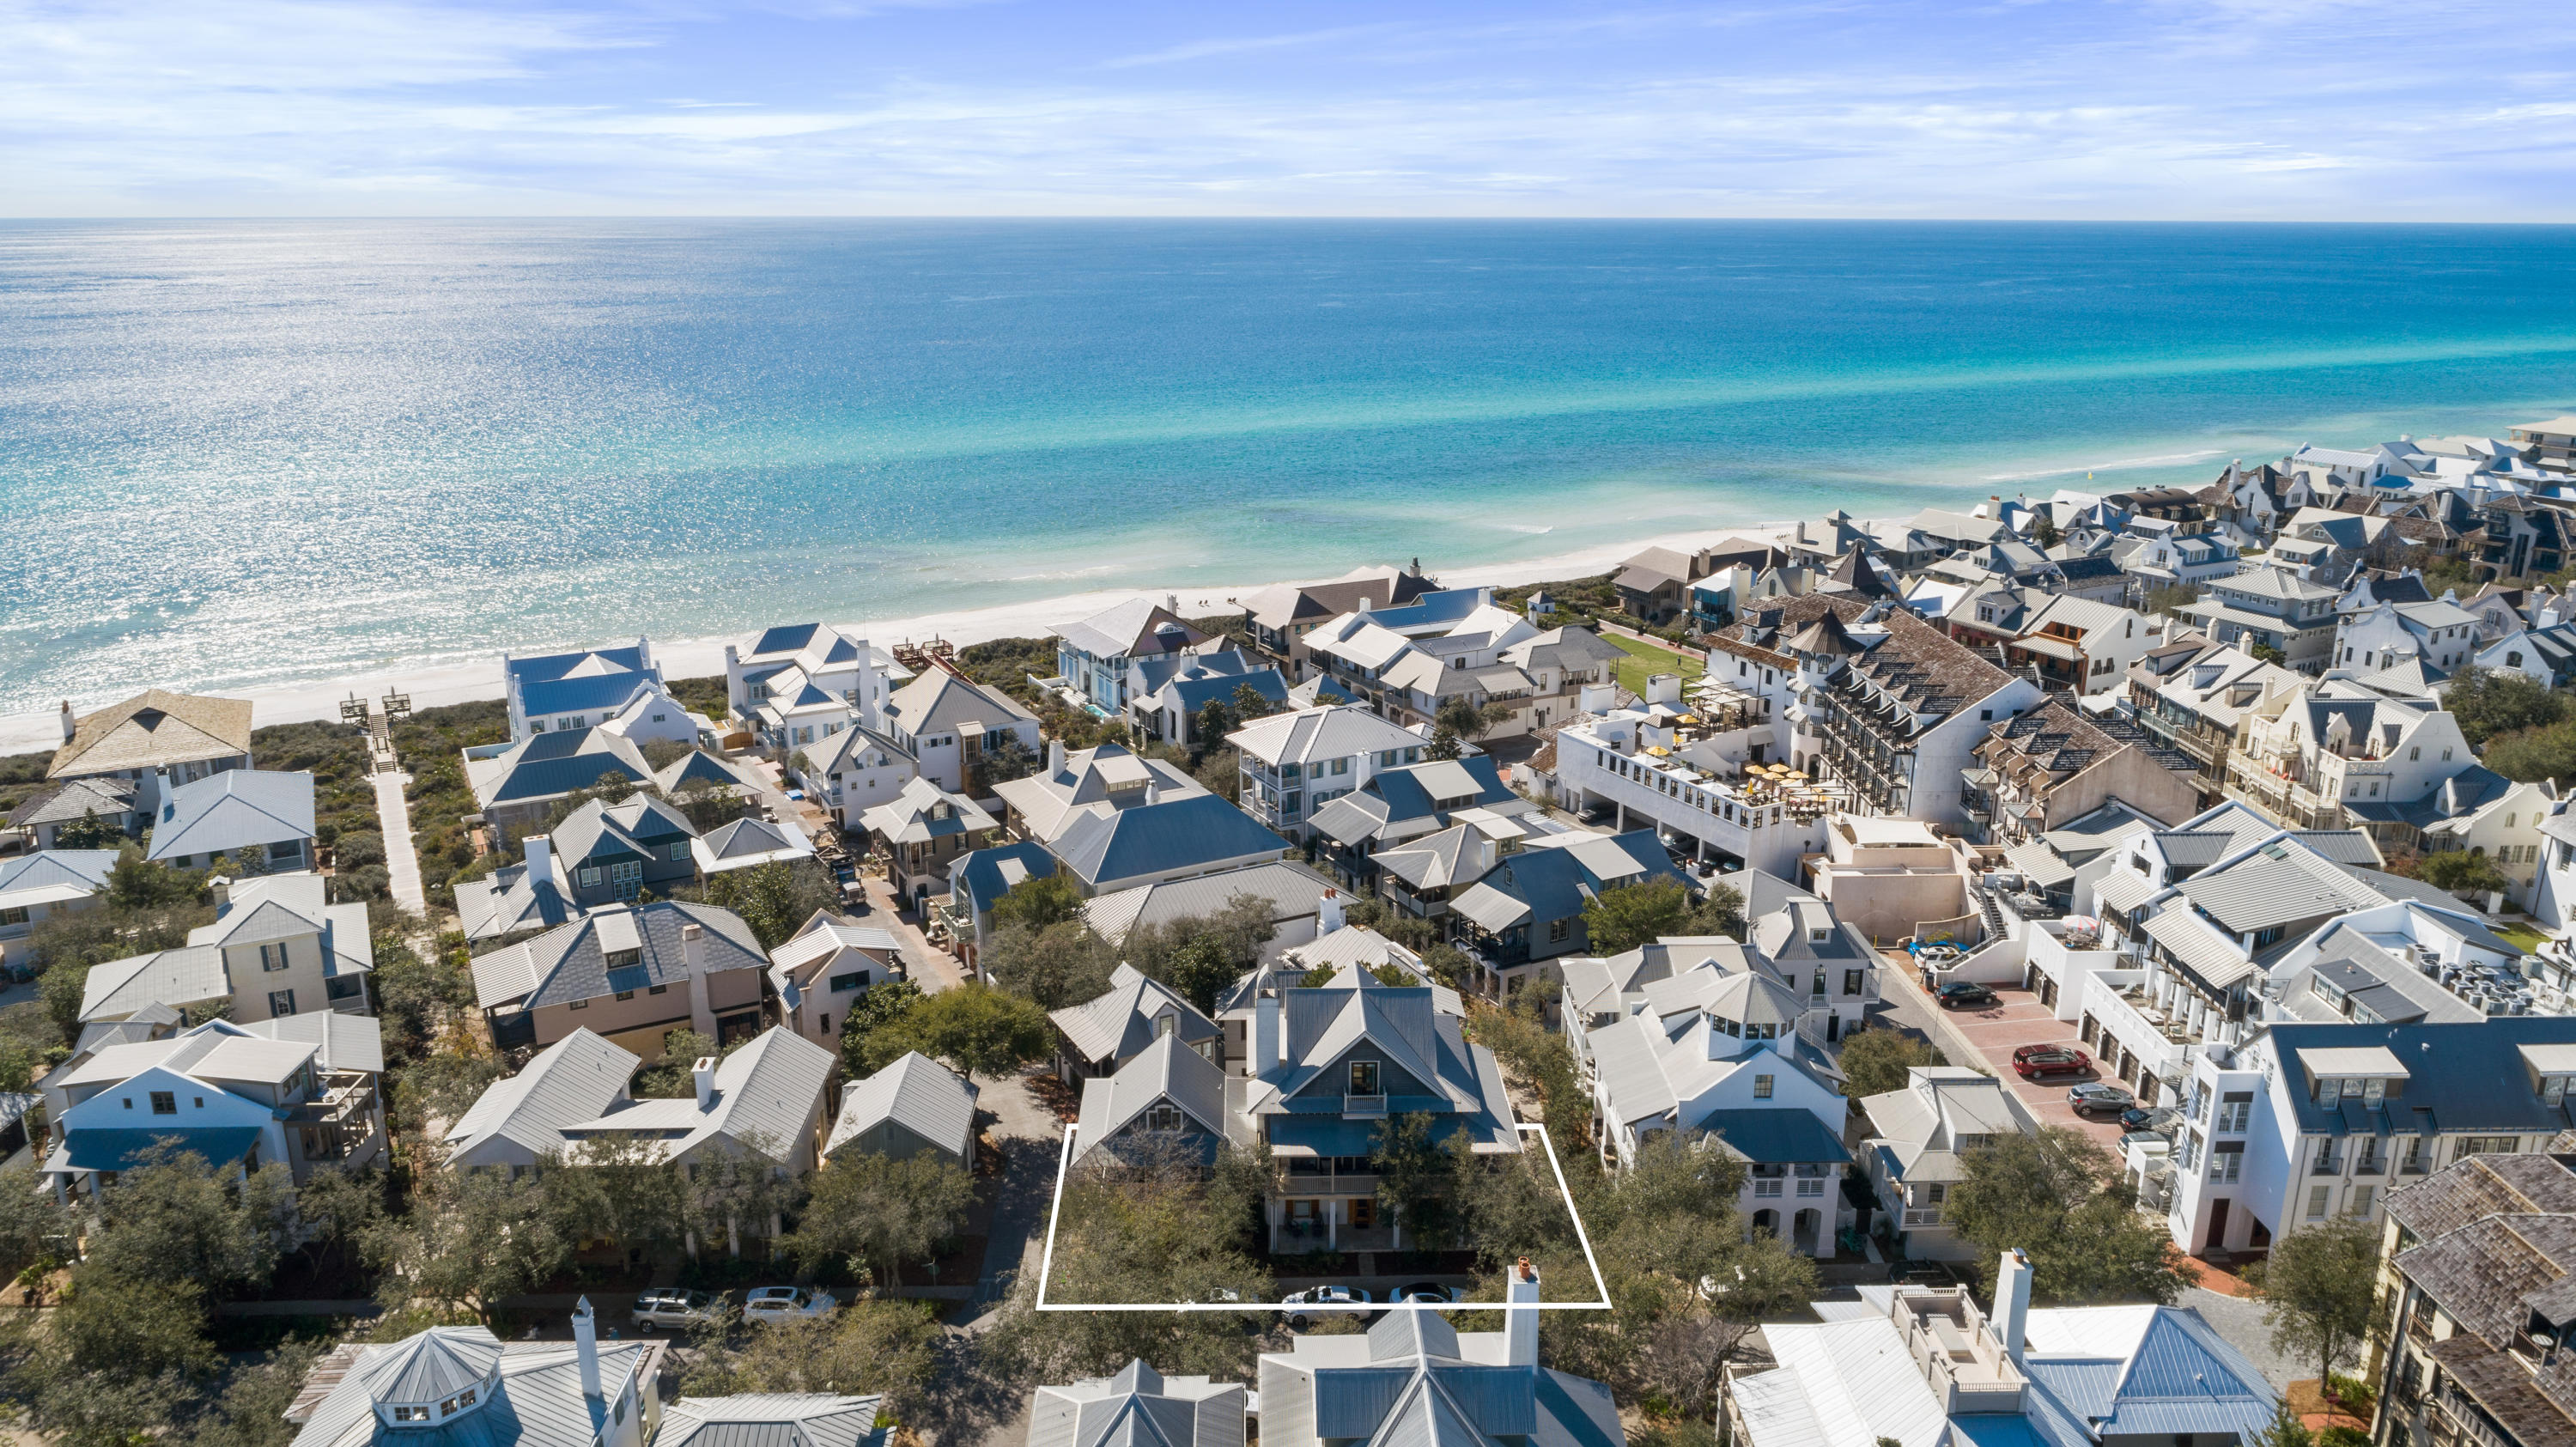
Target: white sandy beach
(480,678)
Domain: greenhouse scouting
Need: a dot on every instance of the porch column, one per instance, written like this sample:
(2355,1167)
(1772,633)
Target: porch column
(1333,1222)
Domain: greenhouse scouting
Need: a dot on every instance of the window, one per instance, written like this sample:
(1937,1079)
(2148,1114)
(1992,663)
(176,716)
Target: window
(1557,929)
(2235,1112)
(2318,1198)
(844,984)
(1163,1116)
(281,1002)
(164,1103)
(1762,1087)
(447,1408)
(580,1005)
(465,1398)
(588,876)
(2226,1163)
(822,1024)
(679,851)
(1851,982)
(1364,1077)
(626,994)
(2362,1198)
(273,957)
(2483,1145)
(657,990)
(411,1414)
(289,849)
(1164,1024)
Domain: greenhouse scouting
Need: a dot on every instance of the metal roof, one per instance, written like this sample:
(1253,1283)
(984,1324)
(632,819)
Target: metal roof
(1119,1024)
(235,809)
(917,1093)
(798,1419)
(572,1080)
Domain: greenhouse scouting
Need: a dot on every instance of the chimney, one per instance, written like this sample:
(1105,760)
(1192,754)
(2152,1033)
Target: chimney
(693,957)
(164,787)
(1328,912)
(220,890)
(1521,1329)
(704,1075)
(585,1344)
(1265,1035)
(70,725)
(1153,792)
(541,861)
(1055,757)
(2012,1302)
(869,716)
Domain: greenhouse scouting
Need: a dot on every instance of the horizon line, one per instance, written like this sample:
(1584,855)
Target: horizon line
(1340,218)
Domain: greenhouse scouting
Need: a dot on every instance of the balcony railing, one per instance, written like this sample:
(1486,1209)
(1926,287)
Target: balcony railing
(1363,1105)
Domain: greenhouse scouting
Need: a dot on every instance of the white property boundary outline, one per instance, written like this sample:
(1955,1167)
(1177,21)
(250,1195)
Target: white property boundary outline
(1064,1164)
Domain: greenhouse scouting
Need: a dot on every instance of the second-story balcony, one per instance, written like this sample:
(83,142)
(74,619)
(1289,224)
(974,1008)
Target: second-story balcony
(1363,1107)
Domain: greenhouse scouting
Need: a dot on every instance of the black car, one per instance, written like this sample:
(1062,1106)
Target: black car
(1919,1273)
(1959,993)
(2144,1118)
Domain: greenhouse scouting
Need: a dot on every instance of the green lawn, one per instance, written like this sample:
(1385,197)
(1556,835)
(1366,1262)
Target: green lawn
(1646,658)
(2522,937)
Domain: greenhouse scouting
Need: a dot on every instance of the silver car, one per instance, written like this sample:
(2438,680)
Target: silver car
(678,1309)
(786,1303)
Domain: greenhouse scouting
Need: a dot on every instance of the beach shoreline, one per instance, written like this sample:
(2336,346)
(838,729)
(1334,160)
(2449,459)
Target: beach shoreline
(470,680)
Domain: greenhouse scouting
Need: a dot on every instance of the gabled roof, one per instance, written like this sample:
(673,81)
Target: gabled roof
(941,702)
(1139,1407)
(1120,1024)
(699,769)
(572,1080)
(744,843)
(1111,846)
(154,729)
(571,962)
(1292,890)
(1165,1070)
(547,766)
(917,1093)
(537,1400)
(505,903)
(764,1093)
(916,815)
(1136,627)
(340,1041)
(72,800)
(51,876)
(236,809)
(1330,732)
(985,875)
(787,1419)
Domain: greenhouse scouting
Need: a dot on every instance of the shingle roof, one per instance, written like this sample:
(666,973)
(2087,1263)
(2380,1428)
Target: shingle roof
(571,963)
(154,729)
(73,800)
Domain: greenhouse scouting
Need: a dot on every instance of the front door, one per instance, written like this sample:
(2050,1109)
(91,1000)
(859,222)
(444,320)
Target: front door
(2217,1226)
(1363,1213)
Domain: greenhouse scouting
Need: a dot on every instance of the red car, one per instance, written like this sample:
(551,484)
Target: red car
(2051,1062)
(2058,1047)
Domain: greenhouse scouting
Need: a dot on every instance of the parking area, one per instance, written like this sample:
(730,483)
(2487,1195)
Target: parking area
(1991,1033)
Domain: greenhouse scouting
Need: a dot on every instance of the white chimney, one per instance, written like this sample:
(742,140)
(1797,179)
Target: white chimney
(585,1344)
(164,786)
(70,725)
(541,861)
(693,958)
(220,890)
(2012,1302)
(704,1075)
(869,715)
(1055,757)
(1521,1326)
(1328,912)
(1153,792)
(1265,1035)
(1664,688)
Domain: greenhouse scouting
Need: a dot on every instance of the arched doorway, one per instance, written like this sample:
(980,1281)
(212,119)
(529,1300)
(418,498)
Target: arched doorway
(1803,1231)
(1767,1222)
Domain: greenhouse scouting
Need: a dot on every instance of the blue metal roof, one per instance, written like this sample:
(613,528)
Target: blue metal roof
(545,668)
(1407,799)
(978,876)
(591,693)
(2465,1076)
(1159,838)
(1776,1137)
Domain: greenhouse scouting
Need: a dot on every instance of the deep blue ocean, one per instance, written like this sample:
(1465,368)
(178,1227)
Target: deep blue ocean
(236,454)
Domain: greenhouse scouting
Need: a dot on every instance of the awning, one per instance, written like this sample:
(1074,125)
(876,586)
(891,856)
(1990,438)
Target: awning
(1305,1137)
(1489,908)
(116,1150)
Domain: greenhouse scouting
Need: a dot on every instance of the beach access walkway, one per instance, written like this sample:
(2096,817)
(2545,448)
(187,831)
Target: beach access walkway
(394,813)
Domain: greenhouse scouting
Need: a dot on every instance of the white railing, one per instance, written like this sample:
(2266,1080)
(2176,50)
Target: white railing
(1363,1105)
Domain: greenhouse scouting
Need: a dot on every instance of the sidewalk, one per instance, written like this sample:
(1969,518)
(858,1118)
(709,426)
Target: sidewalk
(393,812)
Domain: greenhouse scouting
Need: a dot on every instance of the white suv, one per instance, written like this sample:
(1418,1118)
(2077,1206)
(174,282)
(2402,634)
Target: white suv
(678,1309)
(785,1303)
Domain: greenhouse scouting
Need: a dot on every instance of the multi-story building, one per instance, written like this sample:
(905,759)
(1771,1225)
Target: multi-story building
(1092,654)
(2550,444)
(2473,1290)
(2046,768)
(1897,719)
(153,743)
(2270,608)
(629,974)
(582,689)
(1918,1136)
(809,669)
(2439,633)
(1283,614)
(2191,694)
(951,725)
(274,949)
(1294,764)
(2306,1122)
(1687,780)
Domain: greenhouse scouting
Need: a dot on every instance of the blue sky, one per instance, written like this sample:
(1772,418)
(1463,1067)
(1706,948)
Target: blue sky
(2273,109)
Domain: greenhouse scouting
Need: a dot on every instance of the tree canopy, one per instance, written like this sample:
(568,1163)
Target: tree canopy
(1620,919)
(2061,1198)
(973,1029)
(1875,1062)
(874,1212)
(2487,702)
(2318,1287)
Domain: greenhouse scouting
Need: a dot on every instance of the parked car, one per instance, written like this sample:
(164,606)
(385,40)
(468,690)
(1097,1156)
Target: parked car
(2099,1098)
(1960,993)
(2052,1062)
(784,1303)
(1304,1307)
(1920,1273)
(677,1309)
(1428,1293)
(2027,1051)
(2146,1118)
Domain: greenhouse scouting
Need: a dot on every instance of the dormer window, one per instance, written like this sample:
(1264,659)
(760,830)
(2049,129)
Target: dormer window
(623,959)
(411,1414)
(1364,1077)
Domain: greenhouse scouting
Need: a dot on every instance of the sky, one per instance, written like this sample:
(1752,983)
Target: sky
(2292,110)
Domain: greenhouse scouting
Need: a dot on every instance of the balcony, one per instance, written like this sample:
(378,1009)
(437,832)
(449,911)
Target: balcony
(1363,1107)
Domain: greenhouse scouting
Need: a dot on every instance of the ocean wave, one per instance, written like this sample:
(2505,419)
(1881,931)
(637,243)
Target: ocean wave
(2117,464)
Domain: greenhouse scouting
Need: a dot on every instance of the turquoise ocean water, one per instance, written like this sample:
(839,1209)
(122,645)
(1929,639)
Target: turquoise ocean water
(237,454)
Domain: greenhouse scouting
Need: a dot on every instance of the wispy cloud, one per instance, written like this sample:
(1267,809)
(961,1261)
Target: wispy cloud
(2176,108)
